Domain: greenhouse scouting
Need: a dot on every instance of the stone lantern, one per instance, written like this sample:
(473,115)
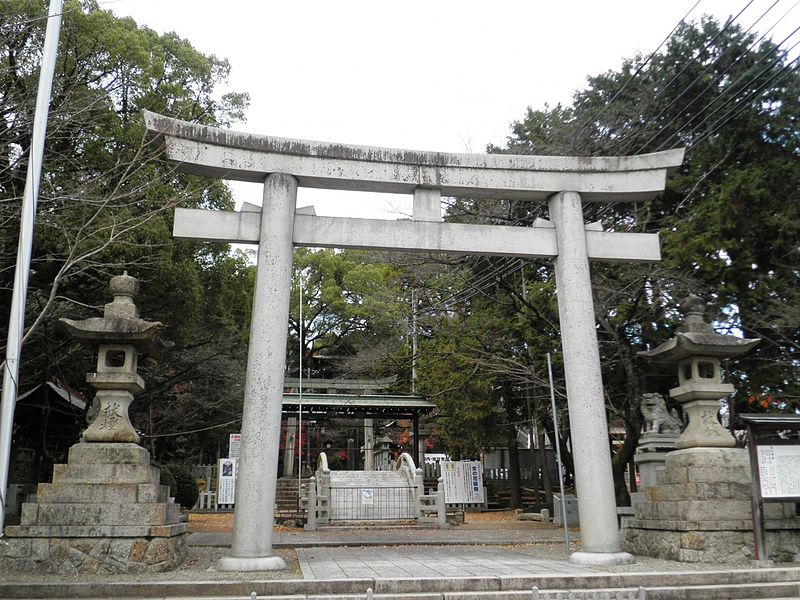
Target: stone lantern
(119,336)
(105,509)
(697,350)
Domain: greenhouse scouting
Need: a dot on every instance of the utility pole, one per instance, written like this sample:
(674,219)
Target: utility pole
(16,320)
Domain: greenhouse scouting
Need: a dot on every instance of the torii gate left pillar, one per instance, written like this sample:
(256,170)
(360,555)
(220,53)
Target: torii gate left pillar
(283,164)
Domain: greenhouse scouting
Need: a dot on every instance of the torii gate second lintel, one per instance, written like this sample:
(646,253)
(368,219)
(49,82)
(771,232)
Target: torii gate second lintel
(283,164)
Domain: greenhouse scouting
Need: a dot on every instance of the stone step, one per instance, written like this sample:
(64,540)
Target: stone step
(94,531)
(771,584)
(99,514)
(117,493)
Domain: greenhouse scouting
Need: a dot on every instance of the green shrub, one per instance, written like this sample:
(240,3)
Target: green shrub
(185,489)
(168,479)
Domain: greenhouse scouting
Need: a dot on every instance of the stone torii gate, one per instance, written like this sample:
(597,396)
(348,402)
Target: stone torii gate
(284,164)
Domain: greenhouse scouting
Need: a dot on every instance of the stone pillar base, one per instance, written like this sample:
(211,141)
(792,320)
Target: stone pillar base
(102,555)
(602,558)
(259,563)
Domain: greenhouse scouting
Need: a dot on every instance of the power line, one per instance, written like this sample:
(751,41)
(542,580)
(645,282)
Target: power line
(729,93)
(210,427)
(732,97)
(700,76)
(733,113)
(637,72)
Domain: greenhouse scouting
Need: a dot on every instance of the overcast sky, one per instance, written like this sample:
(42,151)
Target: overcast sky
(419,74)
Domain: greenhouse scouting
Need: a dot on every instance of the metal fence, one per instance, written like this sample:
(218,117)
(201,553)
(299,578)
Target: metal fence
(372,503)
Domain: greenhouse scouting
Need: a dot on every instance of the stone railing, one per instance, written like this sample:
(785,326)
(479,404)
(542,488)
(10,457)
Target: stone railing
(318,495)
(382,495)
(430,507)
(414,476)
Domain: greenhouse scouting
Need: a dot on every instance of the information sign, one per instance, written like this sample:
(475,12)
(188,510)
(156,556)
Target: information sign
(463,482)
(234,445)
(779,471)
(226,481)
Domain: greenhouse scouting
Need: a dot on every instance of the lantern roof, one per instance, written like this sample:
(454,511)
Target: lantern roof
(120,323)
(695,337)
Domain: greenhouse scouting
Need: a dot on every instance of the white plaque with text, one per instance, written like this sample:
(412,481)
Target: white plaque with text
(779,471)
(226,481)
(463,482)
(234,445)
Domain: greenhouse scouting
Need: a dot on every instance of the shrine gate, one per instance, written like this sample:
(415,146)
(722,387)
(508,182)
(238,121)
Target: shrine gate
(283,164)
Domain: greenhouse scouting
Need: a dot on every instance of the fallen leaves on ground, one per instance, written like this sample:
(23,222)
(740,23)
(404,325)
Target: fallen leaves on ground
(223,521)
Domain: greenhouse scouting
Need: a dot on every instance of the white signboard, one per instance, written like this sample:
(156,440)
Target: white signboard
(234,445)
(779,471)
(367,496)
(463,482)
(226,480)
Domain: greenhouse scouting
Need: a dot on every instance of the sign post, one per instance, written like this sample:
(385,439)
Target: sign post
(226,481)
(234,445)
(775,466)
(463,482)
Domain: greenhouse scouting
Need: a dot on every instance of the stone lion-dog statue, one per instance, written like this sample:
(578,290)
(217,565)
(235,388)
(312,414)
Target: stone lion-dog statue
(657,418)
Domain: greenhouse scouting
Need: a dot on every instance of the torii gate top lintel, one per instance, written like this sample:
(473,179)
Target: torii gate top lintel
(239,156)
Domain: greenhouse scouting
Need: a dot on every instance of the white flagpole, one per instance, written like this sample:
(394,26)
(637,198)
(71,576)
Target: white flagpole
(299,439)
(16,320)
(558,452)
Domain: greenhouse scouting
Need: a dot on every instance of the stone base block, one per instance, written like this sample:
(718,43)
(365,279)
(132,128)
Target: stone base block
(71,556)
(105,512)
(709,546)
(602,558)
(108,453)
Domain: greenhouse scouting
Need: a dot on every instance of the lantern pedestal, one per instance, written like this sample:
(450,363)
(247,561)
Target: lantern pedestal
(104,512)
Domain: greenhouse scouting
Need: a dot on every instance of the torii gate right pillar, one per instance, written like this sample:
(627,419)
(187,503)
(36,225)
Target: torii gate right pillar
(594,481)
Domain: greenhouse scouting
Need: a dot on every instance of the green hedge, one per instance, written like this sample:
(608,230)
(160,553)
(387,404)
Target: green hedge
(181,484)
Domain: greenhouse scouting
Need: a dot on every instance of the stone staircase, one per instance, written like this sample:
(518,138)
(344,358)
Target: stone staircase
(287,499)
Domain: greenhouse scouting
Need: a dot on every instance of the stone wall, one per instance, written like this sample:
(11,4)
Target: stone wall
(71,556)
(371,496)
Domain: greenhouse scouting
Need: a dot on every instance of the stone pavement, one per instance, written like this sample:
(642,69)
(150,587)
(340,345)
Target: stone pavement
(427,562)
(471,549)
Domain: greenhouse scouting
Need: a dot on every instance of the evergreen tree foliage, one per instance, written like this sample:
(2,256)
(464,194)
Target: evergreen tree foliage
(106,205)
